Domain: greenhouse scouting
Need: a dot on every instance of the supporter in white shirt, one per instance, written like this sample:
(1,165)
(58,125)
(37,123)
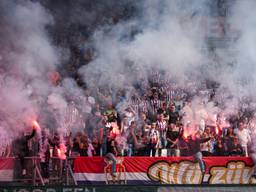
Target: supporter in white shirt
(130,115)
(244,137)
(90,149)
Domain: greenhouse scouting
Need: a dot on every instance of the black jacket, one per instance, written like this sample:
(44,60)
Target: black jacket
(20,147)
(194,145)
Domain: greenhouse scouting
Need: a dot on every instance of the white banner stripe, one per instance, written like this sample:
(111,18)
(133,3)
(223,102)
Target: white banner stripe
(6,175)
(102,176)
(129,176)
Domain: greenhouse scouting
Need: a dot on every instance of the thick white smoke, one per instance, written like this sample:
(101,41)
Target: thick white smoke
(165,35)
(171,36)
(26,56)
(28,61)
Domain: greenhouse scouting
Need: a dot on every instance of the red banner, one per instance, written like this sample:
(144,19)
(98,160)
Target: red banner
(6,169)
(165,170)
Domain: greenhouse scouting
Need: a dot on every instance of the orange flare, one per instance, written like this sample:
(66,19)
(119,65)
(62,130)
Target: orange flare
(36,125)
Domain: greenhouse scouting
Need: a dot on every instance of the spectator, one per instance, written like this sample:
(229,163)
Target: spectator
(96,146)
(44,153)
(228,141)
(184,147)
(83,147)
(173,115)
(111,153)
(173,135)
(207,147)
(194,147)
(140,144)
(236,148)
(21,149)
(155,102)
(130,138)
(130,115)
(56,161)
(244,137)
(76,144)
(125,126)
(219,149)
(90,149)
(161,126)
(143,123)
(153,139)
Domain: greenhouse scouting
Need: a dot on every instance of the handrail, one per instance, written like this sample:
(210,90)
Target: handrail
(36,173)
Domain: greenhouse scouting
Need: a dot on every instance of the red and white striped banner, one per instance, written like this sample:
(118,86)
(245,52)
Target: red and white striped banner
(165,170)
(6,169)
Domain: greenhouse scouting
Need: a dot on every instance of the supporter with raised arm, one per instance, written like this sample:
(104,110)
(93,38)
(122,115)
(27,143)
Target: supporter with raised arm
(21,148)
(194,147)
(207,148)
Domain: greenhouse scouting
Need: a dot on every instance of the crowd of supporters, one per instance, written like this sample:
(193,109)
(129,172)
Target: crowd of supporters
(137,135)
(153,124)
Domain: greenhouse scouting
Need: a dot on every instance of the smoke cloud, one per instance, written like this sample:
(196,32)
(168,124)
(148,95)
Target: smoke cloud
(168,36)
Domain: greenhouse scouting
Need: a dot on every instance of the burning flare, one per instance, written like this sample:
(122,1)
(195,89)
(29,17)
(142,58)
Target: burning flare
(62,151)
(36,125)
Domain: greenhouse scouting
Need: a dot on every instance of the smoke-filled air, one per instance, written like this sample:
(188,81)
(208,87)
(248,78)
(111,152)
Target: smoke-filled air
(66,68)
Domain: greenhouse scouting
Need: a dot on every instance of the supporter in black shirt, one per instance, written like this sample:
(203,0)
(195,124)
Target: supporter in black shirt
(194,148)
(96,146)
(173,115)
(183,146)
(21,149)
(219,148)
(111,153)
(172,136)
(228,141)
(236,148)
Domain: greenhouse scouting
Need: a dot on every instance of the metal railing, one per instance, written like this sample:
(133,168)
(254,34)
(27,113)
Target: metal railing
(64,172)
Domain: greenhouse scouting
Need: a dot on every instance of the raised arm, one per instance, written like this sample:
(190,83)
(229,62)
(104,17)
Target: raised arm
(205,140)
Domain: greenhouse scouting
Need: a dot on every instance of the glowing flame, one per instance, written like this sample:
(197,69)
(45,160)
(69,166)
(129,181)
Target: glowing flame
(61,151)
(217,130)
(115,131)
(36,125)
(185,135)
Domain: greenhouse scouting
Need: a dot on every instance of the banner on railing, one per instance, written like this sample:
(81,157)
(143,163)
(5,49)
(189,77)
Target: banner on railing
(126,188)
(6,169)
(148,170)
(164,170)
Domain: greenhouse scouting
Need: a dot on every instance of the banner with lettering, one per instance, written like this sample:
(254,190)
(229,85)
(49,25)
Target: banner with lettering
(164,170)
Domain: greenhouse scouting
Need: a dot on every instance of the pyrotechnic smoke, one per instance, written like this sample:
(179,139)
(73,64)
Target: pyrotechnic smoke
(164,35)
(171,36)
(28,60)
(27,55)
